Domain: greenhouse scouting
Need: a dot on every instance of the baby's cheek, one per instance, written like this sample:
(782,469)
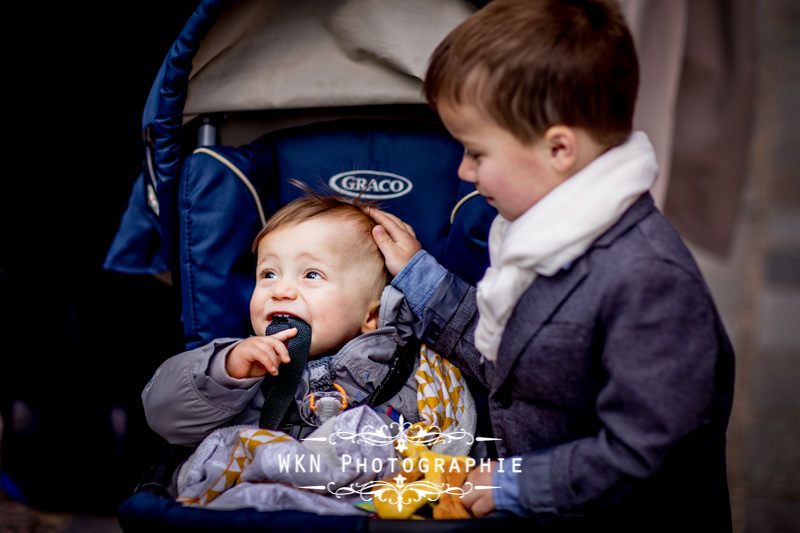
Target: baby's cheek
(322,333)
(257,317)
(329,333)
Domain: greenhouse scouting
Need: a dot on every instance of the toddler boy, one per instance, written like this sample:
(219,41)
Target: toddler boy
(609,371)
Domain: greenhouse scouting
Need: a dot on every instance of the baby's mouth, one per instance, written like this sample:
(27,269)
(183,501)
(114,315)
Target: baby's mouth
(273,316)
(283,321)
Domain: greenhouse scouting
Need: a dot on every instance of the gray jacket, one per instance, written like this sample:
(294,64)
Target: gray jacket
(191,394)
(614,382)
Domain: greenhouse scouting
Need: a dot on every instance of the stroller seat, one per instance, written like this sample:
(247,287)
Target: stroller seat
(197,205)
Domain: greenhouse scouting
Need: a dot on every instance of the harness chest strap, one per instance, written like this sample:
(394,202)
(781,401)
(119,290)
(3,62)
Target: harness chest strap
(279,390)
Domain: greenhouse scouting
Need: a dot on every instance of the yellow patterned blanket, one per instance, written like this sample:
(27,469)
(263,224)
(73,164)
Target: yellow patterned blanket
(242,466)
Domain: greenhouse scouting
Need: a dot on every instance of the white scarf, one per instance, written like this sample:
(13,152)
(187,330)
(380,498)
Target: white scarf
(558,229)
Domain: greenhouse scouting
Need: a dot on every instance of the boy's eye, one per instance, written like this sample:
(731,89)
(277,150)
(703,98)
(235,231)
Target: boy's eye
(471,154)
(268,275)
(313,274)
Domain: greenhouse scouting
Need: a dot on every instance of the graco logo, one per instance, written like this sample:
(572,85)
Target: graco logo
(370,184)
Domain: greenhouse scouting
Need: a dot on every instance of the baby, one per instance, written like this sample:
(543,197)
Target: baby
(317,262)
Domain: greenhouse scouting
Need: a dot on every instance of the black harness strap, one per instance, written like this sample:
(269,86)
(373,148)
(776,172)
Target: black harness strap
(279,390)
(399,371)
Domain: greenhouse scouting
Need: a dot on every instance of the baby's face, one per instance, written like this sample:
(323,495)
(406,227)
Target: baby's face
(316,271)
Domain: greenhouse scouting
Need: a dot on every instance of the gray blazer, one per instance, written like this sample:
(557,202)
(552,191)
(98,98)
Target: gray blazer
(614,381)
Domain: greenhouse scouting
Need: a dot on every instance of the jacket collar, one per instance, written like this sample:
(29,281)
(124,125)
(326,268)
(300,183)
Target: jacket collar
(642,207)
(545,296)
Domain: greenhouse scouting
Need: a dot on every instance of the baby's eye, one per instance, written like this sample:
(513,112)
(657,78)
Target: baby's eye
(268,274)
(313,274)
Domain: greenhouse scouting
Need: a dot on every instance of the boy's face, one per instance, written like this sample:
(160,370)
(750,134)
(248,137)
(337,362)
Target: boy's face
(316,270)
(511,176)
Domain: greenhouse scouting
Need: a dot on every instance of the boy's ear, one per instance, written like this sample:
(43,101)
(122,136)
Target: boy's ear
(371,320)
(561,143)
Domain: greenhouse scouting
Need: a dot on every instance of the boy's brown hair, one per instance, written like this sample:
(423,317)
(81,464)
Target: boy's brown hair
(532,64)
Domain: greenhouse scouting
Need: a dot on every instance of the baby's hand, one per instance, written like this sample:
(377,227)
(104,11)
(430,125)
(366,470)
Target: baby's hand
(255,356)
(396,239)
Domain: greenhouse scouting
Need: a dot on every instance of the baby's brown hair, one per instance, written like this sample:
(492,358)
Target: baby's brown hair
(313,204)
(532,64)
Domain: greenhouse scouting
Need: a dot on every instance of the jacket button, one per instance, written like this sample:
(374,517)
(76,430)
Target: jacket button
(502,398)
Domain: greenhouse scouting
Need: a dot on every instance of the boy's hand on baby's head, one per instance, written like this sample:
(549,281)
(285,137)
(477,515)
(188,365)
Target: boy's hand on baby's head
(257,356)
(396,240)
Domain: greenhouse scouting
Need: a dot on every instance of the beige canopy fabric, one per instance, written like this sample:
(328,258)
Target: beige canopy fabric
(278,54)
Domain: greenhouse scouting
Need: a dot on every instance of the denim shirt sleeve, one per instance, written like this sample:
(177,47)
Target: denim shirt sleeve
(419,279)
(506,492)
(535,478)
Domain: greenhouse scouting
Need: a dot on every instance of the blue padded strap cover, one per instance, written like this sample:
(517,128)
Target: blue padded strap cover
(218,221)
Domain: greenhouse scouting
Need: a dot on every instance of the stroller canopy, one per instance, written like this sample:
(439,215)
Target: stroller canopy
(311,59)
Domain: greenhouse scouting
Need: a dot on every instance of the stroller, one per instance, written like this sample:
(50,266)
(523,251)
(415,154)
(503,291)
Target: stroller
(253,94)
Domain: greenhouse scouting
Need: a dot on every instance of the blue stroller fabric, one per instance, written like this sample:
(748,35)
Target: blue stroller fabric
(133,250)
(145,511)
(219,216)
